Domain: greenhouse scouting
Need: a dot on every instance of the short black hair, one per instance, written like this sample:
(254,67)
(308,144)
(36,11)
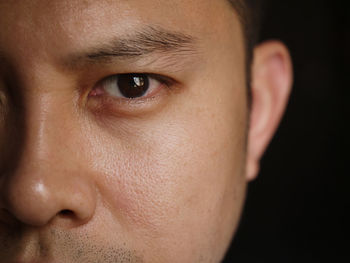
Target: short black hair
(249,13)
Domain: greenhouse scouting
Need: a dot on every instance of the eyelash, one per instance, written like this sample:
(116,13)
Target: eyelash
(102,103)
(101,88)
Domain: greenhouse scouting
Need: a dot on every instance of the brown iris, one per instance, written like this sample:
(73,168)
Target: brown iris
(133,85)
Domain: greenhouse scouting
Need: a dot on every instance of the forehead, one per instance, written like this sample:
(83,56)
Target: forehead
(42,20)
(61,7)
(195,15)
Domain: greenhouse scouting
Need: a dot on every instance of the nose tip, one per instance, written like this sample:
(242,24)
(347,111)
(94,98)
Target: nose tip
(44,176)
(38,201)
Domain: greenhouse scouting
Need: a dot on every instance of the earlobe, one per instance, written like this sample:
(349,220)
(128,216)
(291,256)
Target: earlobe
(271,86)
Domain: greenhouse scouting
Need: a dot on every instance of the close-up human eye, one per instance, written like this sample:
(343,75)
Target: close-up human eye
(131,86)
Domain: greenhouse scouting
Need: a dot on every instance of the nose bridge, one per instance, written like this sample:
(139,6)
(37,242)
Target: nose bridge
(46,131)
(43,102)
(47,178)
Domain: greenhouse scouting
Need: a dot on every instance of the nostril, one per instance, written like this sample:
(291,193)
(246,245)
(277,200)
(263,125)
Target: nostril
(7,218)
(66,213)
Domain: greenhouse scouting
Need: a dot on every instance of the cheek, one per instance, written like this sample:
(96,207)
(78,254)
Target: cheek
(175,178)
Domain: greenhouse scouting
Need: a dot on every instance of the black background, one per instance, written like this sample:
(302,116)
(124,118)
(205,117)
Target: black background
(296,209)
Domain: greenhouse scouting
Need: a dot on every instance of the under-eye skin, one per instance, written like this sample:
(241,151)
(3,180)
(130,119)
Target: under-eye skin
(131,92)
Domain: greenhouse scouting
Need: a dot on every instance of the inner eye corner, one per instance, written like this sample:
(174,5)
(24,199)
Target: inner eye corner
(96,92)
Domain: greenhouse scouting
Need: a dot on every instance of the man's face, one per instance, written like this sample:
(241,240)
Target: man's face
(100,166)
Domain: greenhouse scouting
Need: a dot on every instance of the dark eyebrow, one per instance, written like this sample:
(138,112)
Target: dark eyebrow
(141,43)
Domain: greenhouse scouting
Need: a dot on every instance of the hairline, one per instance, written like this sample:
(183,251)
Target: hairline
(245,17)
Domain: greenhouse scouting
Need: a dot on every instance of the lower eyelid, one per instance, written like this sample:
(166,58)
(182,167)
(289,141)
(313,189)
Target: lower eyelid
(114,101)
(107,106)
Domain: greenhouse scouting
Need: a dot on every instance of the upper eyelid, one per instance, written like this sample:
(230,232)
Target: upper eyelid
(159,77)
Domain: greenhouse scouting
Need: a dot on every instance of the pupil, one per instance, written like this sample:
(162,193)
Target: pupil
(133,85)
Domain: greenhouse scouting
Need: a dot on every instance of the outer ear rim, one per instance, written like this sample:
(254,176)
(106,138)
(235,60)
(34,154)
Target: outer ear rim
(272,76)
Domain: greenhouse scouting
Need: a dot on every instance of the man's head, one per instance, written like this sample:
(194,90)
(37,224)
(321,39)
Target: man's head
(125,131)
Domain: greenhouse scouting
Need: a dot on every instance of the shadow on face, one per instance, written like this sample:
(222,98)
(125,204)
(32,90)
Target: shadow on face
(123,130)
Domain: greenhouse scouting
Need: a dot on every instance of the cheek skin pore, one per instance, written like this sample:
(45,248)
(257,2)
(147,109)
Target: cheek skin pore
(169,185)
(180,176)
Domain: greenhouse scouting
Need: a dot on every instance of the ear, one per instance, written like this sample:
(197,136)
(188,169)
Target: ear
(271,86)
